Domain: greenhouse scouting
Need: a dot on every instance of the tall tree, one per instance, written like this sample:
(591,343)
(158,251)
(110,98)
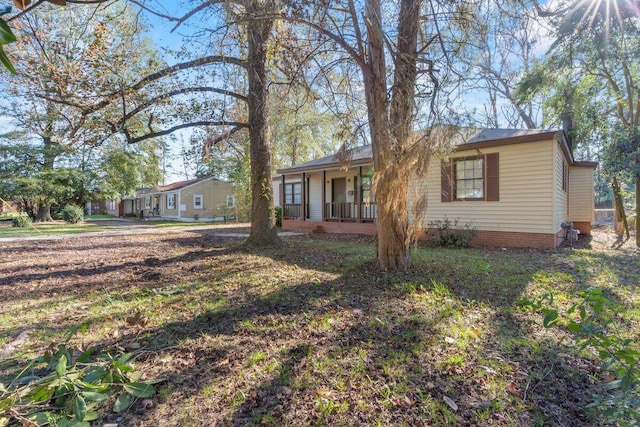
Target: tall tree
(398,49)
(58,65)
(492,53)
(592,70)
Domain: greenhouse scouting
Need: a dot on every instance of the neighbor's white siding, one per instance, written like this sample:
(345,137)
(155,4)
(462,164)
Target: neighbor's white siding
(526,188)
(581,197)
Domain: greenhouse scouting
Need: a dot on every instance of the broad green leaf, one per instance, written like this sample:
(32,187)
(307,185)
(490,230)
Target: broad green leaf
(155,381)
(41,418)
(123,402)
(86,355)
(92,416)
(94,397)
(95,376)
(140,389)
(6,35)
(42,394)
(78,424)
(61,367)
(550,318)
(574,327)
(5,61)
(79,408)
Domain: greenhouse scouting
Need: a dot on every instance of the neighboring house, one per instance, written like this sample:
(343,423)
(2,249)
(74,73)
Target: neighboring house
(516,187)
(202,199)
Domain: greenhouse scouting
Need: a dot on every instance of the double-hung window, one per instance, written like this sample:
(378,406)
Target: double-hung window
(469,175)
(293,193)
(171,201)
(470,178)
(197,201)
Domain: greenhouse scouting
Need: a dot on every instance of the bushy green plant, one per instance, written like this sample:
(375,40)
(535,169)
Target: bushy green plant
(21,220)
(444,232)
(278,214)
(71,392)
(591,321)
(72,214)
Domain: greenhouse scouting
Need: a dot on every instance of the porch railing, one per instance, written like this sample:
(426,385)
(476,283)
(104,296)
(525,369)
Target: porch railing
(348,211)
(292,211)
(344,211)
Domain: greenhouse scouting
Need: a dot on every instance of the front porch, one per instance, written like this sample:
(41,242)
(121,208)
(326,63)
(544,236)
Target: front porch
(333,212)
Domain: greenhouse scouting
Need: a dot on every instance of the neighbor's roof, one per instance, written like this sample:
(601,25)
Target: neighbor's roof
(181,184)
(464,138)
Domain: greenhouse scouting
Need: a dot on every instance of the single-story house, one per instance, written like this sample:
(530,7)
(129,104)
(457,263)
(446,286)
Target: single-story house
(515,187)
(201,199)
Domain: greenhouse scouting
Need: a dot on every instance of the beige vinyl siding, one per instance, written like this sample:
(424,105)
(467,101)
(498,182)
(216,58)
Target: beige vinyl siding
(214,194)
(561,197)
(277,182)
(581,197)
(526,179)
(315,197)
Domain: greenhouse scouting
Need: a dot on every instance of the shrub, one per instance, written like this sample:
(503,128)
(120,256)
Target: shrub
(278,214)
(22,220)
(72,214)
(444,232)
(591,320)
(70,390)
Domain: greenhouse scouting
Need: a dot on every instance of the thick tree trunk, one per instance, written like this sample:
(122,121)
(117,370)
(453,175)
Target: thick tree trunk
(390,125)
(263,224)
(49,153)
(620,218)
(638,205)
(44,213)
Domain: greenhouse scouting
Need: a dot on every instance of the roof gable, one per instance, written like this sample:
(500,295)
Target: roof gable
(175,186)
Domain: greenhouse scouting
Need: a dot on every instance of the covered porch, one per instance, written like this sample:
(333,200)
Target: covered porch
(327,196)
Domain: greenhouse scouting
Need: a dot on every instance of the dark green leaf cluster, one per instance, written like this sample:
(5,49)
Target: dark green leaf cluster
(591,321)
(72,391)
(72,214)
(451,234)
(6,37)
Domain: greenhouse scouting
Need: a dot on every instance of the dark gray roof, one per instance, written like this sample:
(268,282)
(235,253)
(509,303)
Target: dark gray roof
(358,155)
(363,155)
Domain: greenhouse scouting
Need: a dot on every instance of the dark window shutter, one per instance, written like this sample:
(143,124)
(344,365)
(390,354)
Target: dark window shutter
(446,193)
(493,189)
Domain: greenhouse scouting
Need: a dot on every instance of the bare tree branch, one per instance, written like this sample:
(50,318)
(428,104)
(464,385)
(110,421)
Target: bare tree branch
(136,139)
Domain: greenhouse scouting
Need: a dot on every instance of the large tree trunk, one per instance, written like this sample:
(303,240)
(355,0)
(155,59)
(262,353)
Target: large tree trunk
(390,125)
(620,217)
(263,224)
(49,153)
(44,213)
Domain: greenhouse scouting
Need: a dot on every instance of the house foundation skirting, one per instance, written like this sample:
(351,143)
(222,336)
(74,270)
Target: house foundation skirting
(483,237)
(366,228)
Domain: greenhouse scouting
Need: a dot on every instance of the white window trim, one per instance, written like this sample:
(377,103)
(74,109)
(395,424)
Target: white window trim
(171,201)
(195,196)
(231,198)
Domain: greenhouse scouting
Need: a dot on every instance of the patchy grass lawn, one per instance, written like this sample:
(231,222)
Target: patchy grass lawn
(311,334)
(48,229)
